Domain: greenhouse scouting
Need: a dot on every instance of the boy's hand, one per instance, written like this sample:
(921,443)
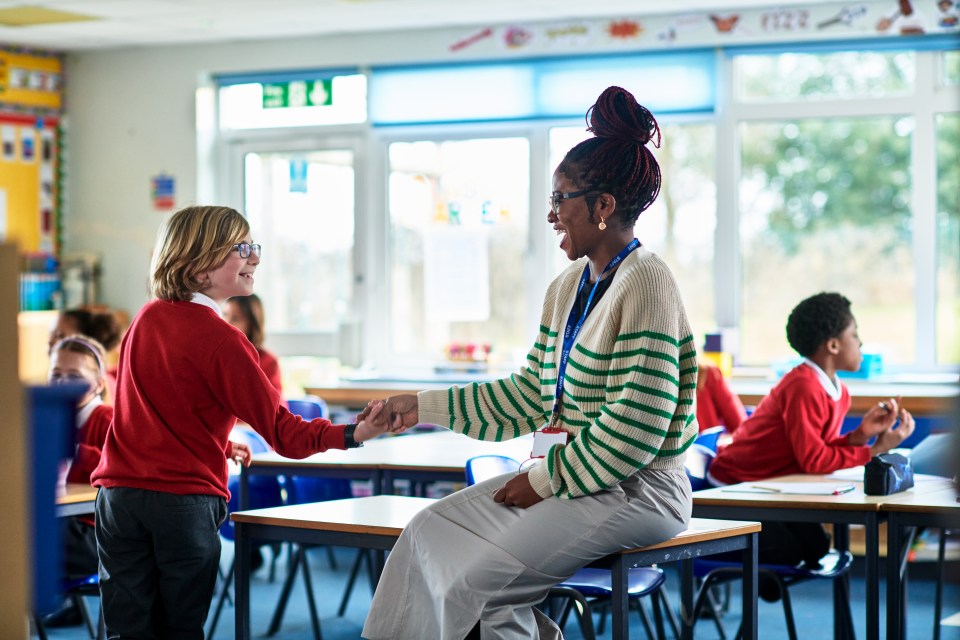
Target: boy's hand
(879,419)
(371,422)
(892,438)
(240,453)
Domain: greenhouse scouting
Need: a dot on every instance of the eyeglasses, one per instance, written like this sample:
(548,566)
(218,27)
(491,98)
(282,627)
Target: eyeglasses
(245,249)
(556,198)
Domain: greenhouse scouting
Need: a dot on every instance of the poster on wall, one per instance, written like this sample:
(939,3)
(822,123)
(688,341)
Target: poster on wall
(162,192)
(28,145)
(8,135)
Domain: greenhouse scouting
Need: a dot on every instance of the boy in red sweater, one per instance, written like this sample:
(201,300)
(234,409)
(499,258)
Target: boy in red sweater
(184,378)
(796,428)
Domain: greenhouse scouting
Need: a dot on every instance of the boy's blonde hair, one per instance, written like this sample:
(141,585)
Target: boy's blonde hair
(190,243)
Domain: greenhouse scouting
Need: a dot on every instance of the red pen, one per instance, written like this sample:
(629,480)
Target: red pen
(842,490)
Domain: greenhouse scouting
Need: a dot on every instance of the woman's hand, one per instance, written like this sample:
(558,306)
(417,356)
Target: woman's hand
(518,492)
(879,419)
(402,411)
(240,453)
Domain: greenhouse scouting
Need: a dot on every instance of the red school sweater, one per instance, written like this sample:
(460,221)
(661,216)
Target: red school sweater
(795,429)
(184,378)
(90,438)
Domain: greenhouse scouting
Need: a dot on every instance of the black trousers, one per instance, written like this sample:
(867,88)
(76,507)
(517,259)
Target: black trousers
(159,554)
(80,548)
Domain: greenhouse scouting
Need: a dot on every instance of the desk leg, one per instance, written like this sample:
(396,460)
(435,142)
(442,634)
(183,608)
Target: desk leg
(750,561)
(872,575)
(686,599)
(241,582)
(243,500)
(841,586)
(621,609)
(893,576)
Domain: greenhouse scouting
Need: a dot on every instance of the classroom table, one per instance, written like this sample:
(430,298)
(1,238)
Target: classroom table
(738,502)
(903,510)
(419,457)
(375,522)
(75,499)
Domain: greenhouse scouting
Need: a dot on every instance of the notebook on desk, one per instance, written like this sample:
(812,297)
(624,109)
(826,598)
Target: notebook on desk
(792,488)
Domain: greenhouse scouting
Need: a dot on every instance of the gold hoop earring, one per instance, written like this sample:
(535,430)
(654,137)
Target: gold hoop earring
(602,225)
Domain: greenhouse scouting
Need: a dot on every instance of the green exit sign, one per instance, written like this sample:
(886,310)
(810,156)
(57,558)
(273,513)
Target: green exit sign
(297,93)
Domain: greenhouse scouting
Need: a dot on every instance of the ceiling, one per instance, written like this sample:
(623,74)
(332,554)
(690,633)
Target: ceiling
(103,24)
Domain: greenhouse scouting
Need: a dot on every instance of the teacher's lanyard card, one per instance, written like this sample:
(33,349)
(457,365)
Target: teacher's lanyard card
(546,438)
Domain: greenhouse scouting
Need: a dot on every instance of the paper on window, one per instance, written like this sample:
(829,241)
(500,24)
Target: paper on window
(456,274)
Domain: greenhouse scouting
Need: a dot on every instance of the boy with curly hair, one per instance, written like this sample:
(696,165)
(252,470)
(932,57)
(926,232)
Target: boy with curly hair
(796,428)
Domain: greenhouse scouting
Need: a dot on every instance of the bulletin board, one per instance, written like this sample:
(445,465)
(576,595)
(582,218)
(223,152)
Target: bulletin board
(30,107)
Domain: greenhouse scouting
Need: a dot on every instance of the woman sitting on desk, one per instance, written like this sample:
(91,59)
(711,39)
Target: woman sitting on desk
(613,372)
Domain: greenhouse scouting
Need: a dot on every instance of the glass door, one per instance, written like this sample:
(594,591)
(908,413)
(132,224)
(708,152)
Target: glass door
(301,201)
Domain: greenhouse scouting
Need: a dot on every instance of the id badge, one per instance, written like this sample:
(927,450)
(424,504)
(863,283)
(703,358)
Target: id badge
(546,438)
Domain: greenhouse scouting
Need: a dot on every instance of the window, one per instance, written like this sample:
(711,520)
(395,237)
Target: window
(459,225)
(948,238)
(679,226)
(845,74)
(824,206)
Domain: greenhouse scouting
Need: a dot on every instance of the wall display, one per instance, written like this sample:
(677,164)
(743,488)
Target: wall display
(162,192)
(29,176)
(31,80)
(799,23)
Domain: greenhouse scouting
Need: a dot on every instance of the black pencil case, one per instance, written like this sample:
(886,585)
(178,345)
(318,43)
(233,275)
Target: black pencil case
(887,473)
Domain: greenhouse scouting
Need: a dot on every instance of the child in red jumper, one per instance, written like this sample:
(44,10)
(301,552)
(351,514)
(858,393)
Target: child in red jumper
(717,404)
(796,428)
(185,376)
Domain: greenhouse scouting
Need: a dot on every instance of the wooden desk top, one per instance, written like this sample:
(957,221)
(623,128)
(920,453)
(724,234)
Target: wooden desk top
(380,515)
(920,399)
(388,515)
(855,500)
(76,492)
(437,451)
(942,501)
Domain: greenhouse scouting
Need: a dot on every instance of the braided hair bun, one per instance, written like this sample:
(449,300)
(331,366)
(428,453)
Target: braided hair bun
(617,160)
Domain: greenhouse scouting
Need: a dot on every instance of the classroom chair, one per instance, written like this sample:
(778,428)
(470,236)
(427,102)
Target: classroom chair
(587,589)
(75,591)
(264,492)
(709,437)
(713,573)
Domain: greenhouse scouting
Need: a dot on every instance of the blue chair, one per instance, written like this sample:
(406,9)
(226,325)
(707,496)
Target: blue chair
(76,590)
(709,437)
(713,573)
(264,492)
(587,588)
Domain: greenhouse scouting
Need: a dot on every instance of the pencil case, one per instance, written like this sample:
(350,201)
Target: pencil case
(887,473)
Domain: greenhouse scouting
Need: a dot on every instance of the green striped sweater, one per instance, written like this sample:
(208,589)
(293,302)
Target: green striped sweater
(629,392)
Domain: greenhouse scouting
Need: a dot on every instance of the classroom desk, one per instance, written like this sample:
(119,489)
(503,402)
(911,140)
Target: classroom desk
(431,457)
(842,510)
(376,522)
(920,399)
(75,499)
(903,510)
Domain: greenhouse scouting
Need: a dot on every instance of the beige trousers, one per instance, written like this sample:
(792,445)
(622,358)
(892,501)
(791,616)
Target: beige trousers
(467,558)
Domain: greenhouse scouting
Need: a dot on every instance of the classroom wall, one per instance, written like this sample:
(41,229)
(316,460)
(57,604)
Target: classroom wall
(131,116)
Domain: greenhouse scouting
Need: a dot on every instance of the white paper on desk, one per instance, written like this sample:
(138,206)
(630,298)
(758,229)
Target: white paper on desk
(791,488)
(853,473)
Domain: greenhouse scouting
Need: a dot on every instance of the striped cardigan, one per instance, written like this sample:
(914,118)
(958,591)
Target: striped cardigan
(629,392)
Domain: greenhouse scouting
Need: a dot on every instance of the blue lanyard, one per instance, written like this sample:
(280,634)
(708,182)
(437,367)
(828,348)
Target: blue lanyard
(574,324)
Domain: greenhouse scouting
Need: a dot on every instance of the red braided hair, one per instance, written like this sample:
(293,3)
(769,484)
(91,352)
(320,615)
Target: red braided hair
(616,160)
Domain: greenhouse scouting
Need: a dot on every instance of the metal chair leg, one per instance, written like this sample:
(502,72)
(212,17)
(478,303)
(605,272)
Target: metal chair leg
(281,607)
(216,612)
(787,610)
(362,554)
(938,594)
(311,603)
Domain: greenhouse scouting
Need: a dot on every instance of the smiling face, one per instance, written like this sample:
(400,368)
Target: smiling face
(233,278)
(577,233)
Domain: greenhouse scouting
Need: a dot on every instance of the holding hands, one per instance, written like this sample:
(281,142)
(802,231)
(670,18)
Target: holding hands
(371,422)
(399,412)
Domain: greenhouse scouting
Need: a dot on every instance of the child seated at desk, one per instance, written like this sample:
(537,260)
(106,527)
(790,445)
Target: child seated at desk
(103,327)
(796,428)
(717,404)
(80,360)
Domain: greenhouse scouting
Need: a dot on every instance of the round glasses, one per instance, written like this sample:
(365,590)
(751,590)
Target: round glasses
(556,198)
(245,249)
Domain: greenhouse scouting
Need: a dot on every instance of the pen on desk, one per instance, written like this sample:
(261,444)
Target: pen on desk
(841,490)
